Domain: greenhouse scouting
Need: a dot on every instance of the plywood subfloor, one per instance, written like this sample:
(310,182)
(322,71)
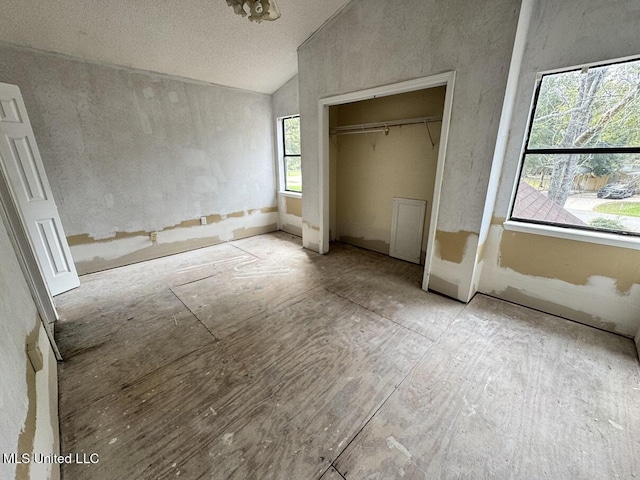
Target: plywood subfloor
(258,359)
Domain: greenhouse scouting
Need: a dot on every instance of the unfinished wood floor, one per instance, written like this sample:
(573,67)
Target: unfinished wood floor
(257,359)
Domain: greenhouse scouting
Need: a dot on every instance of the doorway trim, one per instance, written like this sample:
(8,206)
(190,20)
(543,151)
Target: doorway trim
(446,79)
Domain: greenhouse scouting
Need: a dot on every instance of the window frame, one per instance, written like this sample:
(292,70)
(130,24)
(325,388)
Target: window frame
(282,158)
(590,234)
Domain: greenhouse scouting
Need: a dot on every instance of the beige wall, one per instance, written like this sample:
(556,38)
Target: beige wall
(593,284)
(28,398)
(371,169)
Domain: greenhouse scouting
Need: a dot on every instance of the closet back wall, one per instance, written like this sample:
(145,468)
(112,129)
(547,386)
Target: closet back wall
(373,168)
(130,153)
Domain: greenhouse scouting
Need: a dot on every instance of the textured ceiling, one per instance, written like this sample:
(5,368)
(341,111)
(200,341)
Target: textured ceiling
(198,39)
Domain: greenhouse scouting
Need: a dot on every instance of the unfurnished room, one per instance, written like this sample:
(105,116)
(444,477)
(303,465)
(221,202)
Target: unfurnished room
(333,240)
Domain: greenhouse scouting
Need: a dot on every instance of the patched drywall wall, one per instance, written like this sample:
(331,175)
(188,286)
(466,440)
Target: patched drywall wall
(290,214)
(286,103)
(128,151)
(133,247)
(451,272)
(373,168)
(28,399)
(594,284)
(380,42)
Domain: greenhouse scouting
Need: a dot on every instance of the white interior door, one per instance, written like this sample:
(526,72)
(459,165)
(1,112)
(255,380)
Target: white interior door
(21,163)
(407,228)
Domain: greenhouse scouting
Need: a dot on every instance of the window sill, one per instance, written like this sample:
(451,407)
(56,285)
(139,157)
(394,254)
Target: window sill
(285,193)
(601,238)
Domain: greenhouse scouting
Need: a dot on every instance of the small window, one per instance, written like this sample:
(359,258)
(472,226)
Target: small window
(291,154)
(581,162)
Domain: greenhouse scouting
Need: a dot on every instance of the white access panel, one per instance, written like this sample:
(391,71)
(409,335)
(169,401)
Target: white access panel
(407,226)
(20,160)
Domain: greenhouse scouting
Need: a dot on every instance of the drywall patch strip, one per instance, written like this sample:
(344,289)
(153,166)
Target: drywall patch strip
(104,254)
(575,263)
(595,300)
(85,238)
(451,268)
(451,246)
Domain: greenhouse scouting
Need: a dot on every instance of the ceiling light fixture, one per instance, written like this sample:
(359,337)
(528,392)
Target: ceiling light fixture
(257,10)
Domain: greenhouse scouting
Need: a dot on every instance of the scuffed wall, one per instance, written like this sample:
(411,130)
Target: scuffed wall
(28,399)
(285,103)
(373,168)
(379,42)
(129,153)
(594,284)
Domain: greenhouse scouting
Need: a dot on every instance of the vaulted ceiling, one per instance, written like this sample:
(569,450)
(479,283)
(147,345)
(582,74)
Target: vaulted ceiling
(198,39)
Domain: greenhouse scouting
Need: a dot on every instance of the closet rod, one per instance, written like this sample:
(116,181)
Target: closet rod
(381,126)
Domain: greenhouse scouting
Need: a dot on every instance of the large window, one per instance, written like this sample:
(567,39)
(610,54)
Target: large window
(581,162)
(291,154)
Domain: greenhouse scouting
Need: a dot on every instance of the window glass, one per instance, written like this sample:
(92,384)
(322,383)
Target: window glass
(596,108)
(291,149)
(581,162)
(291,129)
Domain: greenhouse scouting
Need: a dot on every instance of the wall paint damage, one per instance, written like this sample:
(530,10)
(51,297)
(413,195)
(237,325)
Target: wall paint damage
(590,283)
(129,152)
(128,248)
(290,216)
(570,261)
(29,399)
(377,43)
(452,246)
(453,272)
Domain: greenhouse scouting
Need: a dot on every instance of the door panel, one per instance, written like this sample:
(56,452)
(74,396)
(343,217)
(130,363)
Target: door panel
(25,164)
(407,228)
(22,164)
(9,111)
